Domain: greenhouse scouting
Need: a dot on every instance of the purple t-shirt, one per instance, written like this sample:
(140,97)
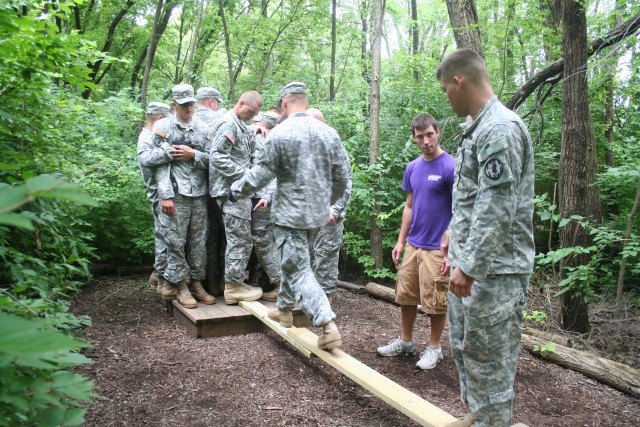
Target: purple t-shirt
(431,182)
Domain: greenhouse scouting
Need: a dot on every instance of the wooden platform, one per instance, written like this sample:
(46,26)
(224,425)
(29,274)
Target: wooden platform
(220,319)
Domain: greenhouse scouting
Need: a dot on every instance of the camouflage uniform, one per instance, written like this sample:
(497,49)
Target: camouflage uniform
(326,244)
(230,158)
(492,241)
(149,158)
(264,242)
(209,117)
(311,167)
(184,181)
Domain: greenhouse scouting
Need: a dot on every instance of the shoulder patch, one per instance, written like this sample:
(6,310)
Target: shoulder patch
(230,137)
(161,133)
(493,169)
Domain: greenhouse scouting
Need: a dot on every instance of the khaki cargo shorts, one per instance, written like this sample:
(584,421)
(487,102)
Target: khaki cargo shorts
(420,281)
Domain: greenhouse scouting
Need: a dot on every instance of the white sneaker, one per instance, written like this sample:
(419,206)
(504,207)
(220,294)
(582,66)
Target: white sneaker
(429,358)
(396,347)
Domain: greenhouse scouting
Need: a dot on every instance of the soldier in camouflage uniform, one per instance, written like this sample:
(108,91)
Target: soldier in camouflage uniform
(326,243)
(490,243)
(210,113)
(182,190)
(311,167)
(230,158)
(148,158)
(209,110)
(264,242)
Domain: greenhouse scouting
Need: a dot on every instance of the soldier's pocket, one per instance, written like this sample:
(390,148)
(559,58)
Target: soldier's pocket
(168,222)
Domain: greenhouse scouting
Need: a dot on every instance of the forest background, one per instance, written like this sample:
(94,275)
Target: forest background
(75,76)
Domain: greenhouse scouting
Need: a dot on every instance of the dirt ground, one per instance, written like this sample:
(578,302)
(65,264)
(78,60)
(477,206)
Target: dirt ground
(150,372)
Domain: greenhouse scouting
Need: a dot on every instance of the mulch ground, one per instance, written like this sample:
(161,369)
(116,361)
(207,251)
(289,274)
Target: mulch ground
(149,371)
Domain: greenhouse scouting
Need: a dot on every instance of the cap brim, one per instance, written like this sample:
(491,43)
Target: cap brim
(185,100)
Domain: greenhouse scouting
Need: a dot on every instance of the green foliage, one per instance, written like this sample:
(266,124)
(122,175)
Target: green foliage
(35,386)
(548,347)
(536,316)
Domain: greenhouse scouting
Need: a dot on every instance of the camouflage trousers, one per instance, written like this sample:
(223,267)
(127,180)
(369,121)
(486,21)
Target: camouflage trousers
(485,331)
(299,284)
(325,253)
(237,228)
(160,248)
(185,234)
(264,243)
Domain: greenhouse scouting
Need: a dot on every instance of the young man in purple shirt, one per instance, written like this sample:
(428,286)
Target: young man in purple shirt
(428,181)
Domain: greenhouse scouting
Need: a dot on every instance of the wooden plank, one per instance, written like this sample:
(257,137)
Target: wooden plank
(403,400)
(260,311)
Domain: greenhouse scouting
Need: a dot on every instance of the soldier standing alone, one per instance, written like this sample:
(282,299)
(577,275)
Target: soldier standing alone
(490,246)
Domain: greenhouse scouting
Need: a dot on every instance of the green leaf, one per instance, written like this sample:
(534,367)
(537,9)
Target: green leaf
(563,222)
(16,220)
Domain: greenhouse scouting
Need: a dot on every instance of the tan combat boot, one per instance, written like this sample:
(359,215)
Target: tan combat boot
(169,291)
(283,316)
(331,338)
(200,294)
(184,296)
(235,292)
(154,280)
(467,421)
(272,295)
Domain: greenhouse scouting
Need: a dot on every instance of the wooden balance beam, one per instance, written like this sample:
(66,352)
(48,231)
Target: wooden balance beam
(405,401)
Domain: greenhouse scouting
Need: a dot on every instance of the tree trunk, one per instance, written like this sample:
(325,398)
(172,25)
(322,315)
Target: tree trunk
(151,52)
(332,77)
(577,193)
(227,46)
(374,129)
(194,43)
(415,37)
(164,21)
(463,15)
(176,77)
(364,50)
(95,67)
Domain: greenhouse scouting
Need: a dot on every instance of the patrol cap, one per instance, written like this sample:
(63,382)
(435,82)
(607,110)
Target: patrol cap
(267,118)
(158,108)
(206,92)
(292,88)
(183,93)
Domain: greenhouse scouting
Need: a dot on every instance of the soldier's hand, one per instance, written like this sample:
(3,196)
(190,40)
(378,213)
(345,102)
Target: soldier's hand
(262,204)
(460,283)
(332,219)
(168,208)
(181,152)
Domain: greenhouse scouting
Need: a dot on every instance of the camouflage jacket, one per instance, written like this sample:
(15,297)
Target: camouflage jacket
(149,157)
(187,177)
(491,227)
(230,154)
(209,117)
(311,167)
(257,144)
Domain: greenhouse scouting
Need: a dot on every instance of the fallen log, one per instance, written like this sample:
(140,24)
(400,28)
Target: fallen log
(549,337)
(350,286)
(614,374)
(381,292)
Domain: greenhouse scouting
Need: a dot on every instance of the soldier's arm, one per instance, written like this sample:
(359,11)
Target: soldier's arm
(220,159)
(495,206)
(162,175)
(154,152)
(339,208)
(258,176)
(340,171)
